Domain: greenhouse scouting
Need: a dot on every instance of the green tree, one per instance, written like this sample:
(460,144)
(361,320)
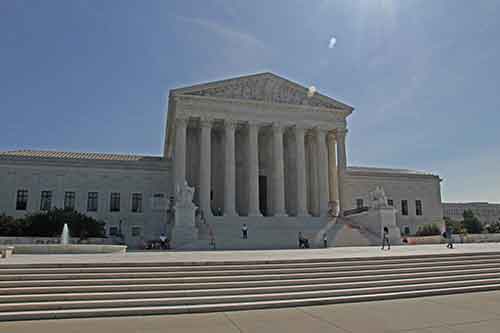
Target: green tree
(50,224)
(455,226)
(471,223)
(494,228)
(428,230)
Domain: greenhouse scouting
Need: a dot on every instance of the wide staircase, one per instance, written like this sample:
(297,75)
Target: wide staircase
(71,290)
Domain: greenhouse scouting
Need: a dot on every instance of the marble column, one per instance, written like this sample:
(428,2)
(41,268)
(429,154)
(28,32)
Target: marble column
(313,173)
(342,164)
(278,171)
(301,172)
(205,166)
(332,166)
(320,135)
(230,169)
(253,169)
(180,151)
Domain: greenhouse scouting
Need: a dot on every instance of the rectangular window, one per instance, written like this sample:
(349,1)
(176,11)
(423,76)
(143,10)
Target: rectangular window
(69,200)
(359,203)
(390,202)
(114,202)
(159,201)
(46,200)
(136,231)
(92,201)
(418,207)
(136,202)
(22,200)
(404,207)
(406,230)
(113,231)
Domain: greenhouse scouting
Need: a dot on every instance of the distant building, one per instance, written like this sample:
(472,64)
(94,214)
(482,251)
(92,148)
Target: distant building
(484,211)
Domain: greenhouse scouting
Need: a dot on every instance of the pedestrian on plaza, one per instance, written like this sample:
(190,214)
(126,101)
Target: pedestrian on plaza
(449,237)
(163,241)
(244,231)
(325,240)
(385,239)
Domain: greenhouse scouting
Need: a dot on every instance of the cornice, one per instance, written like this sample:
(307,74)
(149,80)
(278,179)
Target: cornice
(187,100)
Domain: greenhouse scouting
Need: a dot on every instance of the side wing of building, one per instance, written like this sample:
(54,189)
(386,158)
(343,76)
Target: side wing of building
(125,190)
(415,195)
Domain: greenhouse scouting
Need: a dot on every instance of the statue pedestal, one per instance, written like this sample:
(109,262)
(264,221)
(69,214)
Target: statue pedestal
(387,218)
(184,231)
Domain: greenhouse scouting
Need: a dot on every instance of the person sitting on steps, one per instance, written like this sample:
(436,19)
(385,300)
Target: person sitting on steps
(303,242)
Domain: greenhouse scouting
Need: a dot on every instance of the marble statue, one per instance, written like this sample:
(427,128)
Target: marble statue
(378,198)
(185,195)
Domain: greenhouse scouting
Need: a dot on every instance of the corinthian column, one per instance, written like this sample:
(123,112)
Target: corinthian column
(180,152)
(322,170)
(253,169)
(342,164)
(301,172)
(278,171)
(332,166)
(230,170)
(205,166)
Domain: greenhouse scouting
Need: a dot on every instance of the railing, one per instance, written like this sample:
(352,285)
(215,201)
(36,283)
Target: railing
(356,211)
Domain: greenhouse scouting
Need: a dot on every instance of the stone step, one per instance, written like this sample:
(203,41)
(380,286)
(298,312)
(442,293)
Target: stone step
(367,280)
(248,271)
(349,275)
(409,262)
(301,285)
(232,306)
(214,299)
(223,263)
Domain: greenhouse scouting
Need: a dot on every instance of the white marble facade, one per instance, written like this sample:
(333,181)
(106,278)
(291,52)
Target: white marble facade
(255,146)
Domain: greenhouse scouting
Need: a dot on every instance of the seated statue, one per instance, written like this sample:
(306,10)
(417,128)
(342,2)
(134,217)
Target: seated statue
(184,195)
(378,198)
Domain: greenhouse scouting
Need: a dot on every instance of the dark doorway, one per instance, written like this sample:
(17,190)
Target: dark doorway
(263,195)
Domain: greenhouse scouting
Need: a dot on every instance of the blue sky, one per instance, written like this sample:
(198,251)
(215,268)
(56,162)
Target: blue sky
(423,76)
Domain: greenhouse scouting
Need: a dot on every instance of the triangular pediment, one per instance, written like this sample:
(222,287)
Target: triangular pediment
(265,87)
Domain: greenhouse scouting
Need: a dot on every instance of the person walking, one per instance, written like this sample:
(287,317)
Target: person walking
(385,239)
(163,241)
(325,240)
(449,237)
(244,231)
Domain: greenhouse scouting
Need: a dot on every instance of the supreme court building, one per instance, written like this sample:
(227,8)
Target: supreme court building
(258,149)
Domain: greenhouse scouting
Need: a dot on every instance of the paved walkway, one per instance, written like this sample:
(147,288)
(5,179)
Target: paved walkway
(178,256)
(478,313)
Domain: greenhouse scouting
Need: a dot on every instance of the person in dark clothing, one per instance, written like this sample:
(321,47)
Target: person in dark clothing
(325,240)
(303,242)
(244,231)
(385,239)
(449,237)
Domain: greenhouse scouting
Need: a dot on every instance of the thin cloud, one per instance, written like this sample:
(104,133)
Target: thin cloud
(332,42)
(225,32)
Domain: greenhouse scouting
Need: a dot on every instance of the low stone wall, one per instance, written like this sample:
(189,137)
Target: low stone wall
(51,240)
(68,249)
(471,238)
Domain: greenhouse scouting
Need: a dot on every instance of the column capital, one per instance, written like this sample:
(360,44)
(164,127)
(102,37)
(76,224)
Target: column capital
(255,123)
(277,127)
(330,136)
(181,121)
(230,124)
(206,122)
(340,133)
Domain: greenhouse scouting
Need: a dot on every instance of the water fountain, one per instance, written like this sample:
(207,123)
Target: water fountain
(66,248)
(65,235)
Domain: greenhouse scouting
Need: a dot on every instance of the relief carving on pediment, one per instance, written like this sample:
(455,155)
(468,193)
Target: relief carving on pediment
(269,90)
